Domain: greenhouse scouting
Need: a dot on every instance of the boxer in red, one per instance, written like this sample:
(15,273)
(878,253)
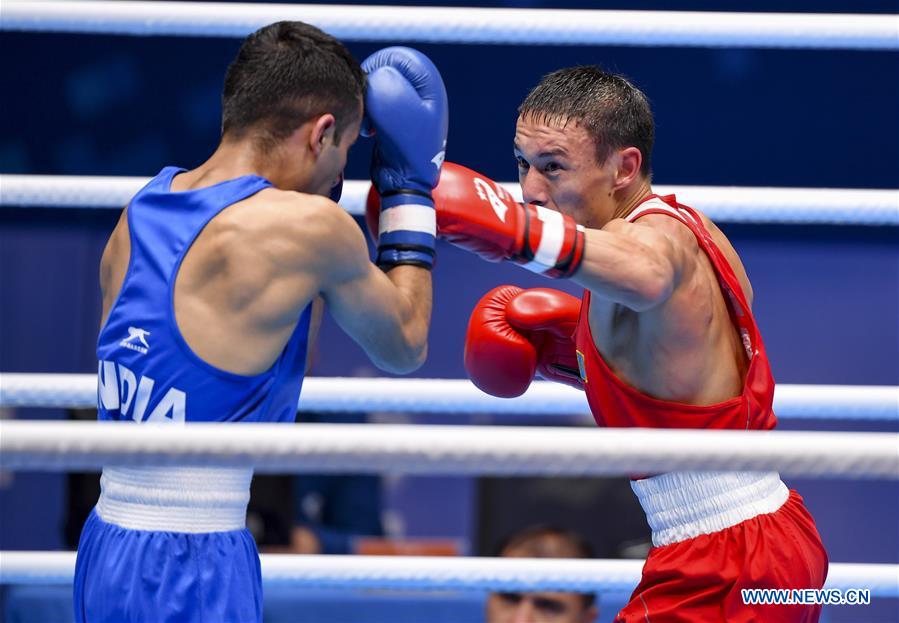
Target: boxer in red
(664,337)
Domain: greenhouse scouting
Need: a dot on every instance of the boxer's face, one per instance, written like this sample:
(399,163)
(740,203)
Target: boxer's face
(537,608)
(557,168)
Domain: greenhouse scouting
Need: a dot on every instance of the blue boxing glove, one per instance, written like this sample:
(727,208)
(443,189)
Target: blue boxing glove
(407,112)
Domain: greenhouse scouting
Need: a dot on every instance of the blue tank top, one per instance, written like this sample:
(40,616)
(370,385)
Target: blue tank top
(147,372)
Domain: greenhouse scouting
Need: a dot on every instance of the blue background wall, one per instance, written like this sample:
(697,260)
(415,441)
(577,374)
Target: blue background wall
(827,298)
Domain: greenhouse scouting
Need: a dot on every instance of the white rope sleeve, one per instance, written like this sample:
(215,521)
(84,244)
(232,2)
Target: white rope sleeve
(354,395)
(441,573)
(793,206)
(463,450)
(68,191)
(726,204)
(465,25)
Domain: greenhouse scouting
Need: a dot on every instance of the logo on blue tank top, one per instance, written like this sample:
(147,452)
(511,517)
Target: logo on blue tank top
(136,333)
(120,389)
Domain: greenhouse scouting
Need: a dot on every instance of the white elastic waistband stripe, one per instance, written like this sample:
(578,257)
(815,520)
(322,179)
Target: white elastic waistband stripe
(157,496)
(175,499)
(683,505)
(183,481)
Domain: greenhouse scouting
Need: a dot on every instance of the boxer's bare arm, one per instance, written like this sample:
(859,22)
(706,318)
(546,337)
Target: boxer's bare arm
(114,264)
(635,264)
(387,314)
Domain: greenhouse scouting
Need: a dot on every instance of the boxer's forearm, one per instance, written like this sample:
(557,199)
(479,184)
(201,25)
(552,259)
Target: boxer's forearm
(625,270)
(387,314)
(413,286)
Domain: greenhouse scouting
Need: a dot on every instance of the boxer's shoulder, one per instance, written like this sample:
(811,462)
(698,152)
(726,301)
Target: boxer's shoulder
(661,236)
(288,205)
(272,215)
(683,237)
(291,231)
(673,229)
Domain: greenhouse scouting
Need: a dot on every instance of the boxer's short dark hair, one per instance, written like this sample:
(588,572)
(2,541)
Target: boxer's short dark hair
(614,112)
(286,74)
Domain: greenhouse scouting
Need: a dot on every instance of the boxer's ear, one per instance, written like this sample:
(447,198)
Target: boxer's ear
(629,161)
(323,131)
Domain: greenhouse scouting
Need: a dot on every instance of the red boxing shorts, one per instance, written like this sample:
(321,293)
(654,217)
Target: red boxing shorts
(715,534)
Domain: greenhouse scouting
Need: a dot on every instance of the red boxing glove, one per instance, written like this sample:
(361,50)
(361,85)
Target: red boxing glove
(514,334)
(475,213)
(373,213)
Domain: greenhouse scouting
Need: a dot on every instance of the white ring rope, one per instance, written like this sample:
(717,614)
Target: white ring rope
(465,25)
(458,396)
(732,204)
(462,450)
(441,573)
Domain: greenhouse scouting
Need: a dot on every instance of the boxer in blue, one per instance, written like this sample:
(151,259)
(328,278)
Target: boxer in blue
(211,286)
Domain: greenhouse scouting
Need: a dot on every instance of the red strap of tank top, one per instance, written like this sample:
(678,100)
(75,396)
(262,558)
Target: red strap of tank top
(740,311)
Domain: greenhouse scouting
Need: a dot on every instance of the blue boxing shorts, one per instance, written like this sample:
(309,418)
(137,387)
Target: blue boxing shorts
(169,545)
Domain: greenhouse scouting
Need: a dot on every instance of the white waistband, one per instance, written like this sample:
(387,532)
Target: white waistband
(683,505)
(175,499)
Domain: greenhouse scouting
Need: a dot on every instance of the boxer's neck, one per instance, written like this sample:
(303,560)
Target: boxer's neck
(245,157)
(239,157)
(627,199)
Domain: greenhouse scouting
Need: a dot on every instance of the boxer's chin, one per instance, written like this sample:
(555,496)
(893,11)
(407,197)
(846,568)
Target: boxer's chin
(567,210)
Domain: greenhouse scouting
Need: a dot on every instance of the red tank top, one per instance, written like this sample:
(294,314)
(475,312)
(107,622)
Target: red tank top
(615,403)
